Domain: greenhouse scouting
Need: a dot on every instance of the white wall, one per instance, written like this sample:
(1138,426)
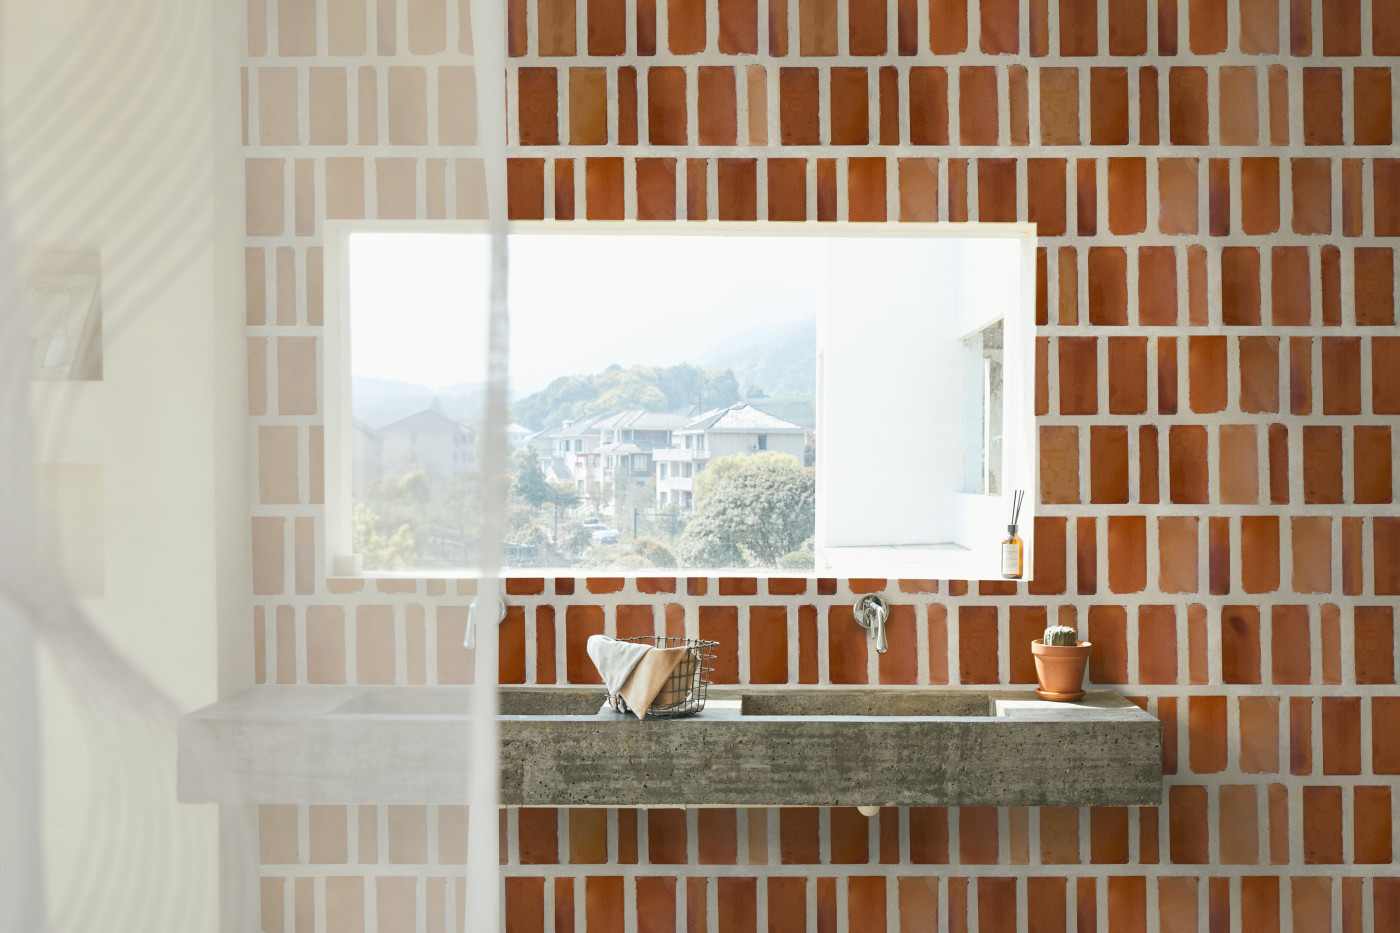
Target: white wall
(120,137)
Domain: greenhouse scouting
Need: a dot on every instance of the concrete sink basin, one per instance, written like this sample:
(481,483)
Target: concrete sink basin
(750,747)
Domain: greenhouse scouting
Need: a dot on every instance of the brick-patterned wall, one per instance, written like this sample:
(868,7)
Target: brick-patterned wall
(1217,192)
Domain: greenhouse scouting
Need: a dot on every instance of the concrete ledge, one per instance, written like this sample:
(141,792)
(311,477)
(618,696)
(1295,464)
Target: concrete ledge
(897,747)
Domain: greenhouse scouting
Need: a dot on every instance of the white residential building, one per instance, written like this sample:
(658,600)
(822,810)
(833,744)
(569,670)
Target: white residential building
(429,441)
(739,430)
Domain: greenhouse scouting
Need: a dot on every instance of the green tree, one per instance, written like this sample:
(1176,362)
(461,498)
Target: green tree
(721,388)
(530,484)
(750,512)
(381,548)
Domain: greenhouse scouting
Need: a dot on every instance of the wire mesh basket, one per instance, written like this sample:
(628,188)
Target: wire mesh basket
(685,690)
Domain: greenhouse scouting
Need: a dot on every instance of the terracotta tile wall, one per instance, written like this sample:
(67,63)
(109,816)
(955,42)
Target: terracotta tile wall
(1217,190)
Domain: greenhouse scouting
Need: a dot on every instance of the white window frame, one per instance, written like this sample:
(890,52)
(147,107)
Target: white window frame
(1020,449)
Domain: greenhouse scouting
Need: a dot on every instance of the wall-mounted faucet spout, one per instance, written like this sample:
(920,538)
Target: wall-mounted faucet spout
(871,612)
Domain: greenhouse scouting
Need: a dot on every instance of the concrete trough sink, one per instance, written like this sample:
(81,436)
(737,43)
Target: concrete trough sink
(749,747)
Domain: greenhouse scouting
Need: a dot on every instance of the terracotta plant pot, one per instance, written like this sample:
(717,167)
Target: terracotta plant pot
(1060,669)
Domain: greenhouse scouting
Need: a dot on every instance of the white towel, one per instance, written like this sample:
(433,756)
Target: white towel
(615,659)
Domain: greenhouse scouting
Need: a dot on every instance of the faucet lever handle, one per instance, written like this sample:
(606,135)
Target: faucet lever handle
(871,612)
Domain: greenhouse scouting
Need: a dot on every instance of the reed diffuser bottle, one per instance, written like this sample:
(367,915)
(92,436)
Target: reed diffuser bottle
(1013,549)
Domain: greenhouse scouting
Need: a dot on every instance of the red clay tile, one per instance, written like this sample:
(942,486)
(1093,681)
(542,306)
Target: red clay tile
(1149,109)
(1300,735)
(1386,204)
(581,622)
(1220,202)
(1239,106)
(900,665)
(849,836)
(1385,724)
(1278,105)
(1258,374)
(1322,825)
(1149,463)
(787,191)
(1385,545)
(564,196)
(846,643)
(1341,375)
(588,106)
(889,106)
(666,106)
(1086,555)
(1312,199)
(1107,631)
(1341,28)
(1239,285)
(738,189)
(1045,195)
(957,190)
(1079,28)
(1331,643)
(977,835)
(928,835)
(1300,375)
(1312,554)
(1239,464)
(977,645)
(685,26)
(947,26)
(865,186)
(1259,735)
(721,624)
(1341,735)
(799,837)
(1278,464)
(996,190)
(768,654)
(717,834)
(787,904)
(978,106)
(1048,556)
(538,836)
(1197,299)
(1385,378)
(1127,553)
(1208,27)
(1218,554)
(807,644)
(1322,106)
(603,188)
(799,108)
(1371,103)
(1207,364)
(1108,285)
(1351,205)
(928,106)
(1079,390)
(1371,464)
(1291,645)
(1127,376)
(1209,746)
(1375,644)
(717,106)
(1059,106)
(1375,286)
(1157,285)
(1239,652)
(1178,544)
(918,189)
(656,200)
(1086,197)
(1322,464)
(539,106)
(1371,828)
(1177,182)
(1069,288)
(1189,468)
(1259,553)
(1188,106)
(1189,829)
(1108,107)
(666,836)
(738,27)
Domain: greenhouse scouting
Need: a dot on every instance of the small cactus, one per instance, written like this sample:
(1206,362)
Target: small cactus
(1060,636)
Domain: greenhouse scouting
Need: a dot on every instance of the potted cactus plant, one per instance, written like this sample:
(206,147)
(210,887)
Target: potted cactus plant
(1060,660)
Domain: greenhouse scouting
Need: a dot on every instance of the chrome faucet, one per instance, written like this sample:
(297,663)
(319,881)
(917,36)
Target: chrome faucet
(871,611)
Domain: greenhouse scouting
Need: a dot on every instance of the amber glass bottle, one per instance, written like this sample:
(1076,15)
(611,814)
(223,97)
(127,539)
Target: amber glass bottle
(1013,555)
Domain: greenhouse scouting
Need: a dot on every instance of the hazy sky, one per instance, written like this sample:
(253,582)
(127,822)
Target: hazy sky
(578,302)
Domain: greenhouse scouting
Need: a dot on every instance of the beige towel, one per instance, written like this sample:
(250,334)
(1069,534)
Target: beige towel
(648,682)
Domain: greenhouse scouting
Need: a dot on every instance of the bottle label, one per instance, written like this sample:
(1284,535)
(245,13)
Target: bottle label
(1010,559)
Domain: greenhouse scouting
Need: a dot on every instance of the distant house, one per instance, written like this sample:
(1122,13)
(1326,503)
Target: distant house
(518,435)
(569,453)
(739,430)
(430,441)
(629,440)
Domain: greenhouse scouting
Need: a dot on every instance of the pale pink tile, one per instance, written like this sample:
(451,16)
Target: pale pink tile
(286,618)
(345,24)
(386,26)
(277,835)
(277,106)
(407,101)
(257,28)
(304,908)
(457,105)
(304,197)
(244,93)
(255,284)
(396,183)
(285,294)
(369,107)
(315,285)
(304,555)
(329,107)
(296,27)
(257,375)
(259,645)
(454,662)
(452,835)
(398,904)
(272,900)
(408,835)
(369,835)
(437,905)
(296,375)
(345,904)
(416,643)
(277,464)
(268,554)
(427,26)
(263,194)
(325,645)
(374,646)
(471,189)
(345,189)
(329,834)
(464,26)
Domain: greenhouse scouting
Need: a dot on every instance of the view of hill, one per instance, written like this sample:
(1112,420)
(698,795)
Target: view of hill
(781,360)
(378,402)
(649,388)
